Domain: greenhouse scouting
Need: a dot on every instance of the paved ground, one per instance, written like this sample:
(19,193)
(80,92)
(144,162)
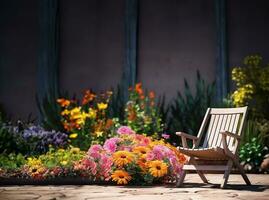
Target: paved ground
(192,189)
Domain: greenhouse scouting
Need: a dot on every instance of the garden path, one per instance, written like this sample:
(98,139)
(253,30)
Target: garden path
(192,189)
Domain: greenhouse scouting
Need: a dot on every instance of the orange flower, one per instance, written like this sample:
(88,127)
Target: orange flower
(63,102)
(121,177)
(158,168)
(151,95)
(142,97)
(141,150)
(142,162)
(121,158)
(88,97)
(138,88)
(131,116)
(109,123)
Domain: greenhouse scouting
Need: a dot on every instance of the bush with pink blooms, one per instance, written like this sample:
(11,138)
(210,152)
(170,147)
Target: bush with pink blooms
(132,158)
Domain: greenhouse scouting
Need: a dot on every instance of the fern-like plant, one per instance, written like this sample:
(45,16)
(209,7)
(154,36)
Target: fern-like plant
(50,113)
(187,110)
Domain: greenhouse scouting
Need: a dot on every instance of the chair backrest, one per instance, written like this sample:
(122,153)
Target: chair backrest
(217,120)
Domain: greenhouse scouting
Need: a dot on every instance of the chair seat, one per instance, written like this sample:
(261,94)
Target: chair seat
(211,153)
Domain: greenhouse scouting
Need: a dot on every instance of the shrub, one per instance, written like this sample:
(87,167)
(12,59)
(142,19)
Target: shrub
(252,86)
(188,110)
(141,112)
(49,112)
(55,163)
(39,140)
(131,158)
(252,154)
(88,122)
(10,162)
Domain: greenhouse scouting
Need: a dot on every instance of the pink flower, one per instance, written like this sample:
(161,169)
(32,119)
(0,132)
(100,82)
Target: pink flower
(105,165)
(165,136)
(111,145)
(158,152)
(90,165)
(150,156)
(125,130)
(96,147)
(142,140)
(95,150)
(177,167)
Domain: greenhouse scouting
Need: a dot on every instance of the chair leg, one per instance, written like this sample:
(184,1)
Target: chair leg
(181,179)
(241,170)
(226,174)
(200,173)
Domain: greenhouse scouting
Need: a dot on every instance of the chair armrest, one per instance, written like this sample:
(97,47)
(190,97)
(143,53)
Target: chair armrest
(184,137)
(188,136)
(227,133)
(224,142)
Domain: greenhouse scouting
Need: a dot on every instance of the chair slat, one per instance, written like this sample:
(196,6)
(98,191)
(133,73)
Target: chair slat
(217,131)
(230,128)
(209,130)
(213,131)
(222,128)
(222,111)
(234,130)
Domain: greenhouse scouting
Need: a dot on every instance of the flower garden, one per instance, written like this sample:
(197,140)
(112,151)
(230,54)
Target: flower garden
(101,138)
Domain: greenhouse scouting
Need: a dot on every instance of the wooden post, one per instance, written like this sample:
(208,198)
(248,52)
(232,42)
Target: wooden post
(48,59)
(222,68)
(130,54)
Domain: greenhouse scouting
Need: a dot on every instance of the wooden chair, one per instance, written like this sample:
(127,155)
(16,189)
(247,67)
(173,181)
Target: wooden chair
(218,139)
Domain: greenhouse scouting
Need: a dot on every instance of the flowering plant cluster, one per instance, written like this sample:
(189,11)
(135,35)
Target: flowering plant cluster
(127,158)
(41,139)
(252,85)
(87,122)
(141,112)
(55,163)
(131,158)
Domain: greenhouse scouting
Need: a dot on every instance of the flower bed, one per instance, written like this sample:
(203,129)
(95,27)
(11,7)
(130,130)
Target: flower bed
(127,158)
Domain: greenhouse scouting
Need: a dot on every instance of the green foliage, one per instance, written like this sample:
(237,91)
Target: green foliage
(50,113)
(252,154)
(251,131)
(116,104)
(10,142)
(141,112)
(252,86)
(61,157)
(163,110)
(188,110)
(11,161)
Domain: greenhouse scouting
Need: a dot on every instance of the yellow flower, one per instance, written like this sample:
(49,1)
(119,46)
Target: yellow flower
(75,112)
(73,135)
(64,162)
(65,112)
(121,177)
(121,158)
(102,106)
(157,168)
(92,113)
(99,133)
(75,150)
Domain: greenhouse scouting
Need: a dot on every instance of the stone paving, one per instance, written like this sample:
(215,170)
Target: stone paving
(192,189)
